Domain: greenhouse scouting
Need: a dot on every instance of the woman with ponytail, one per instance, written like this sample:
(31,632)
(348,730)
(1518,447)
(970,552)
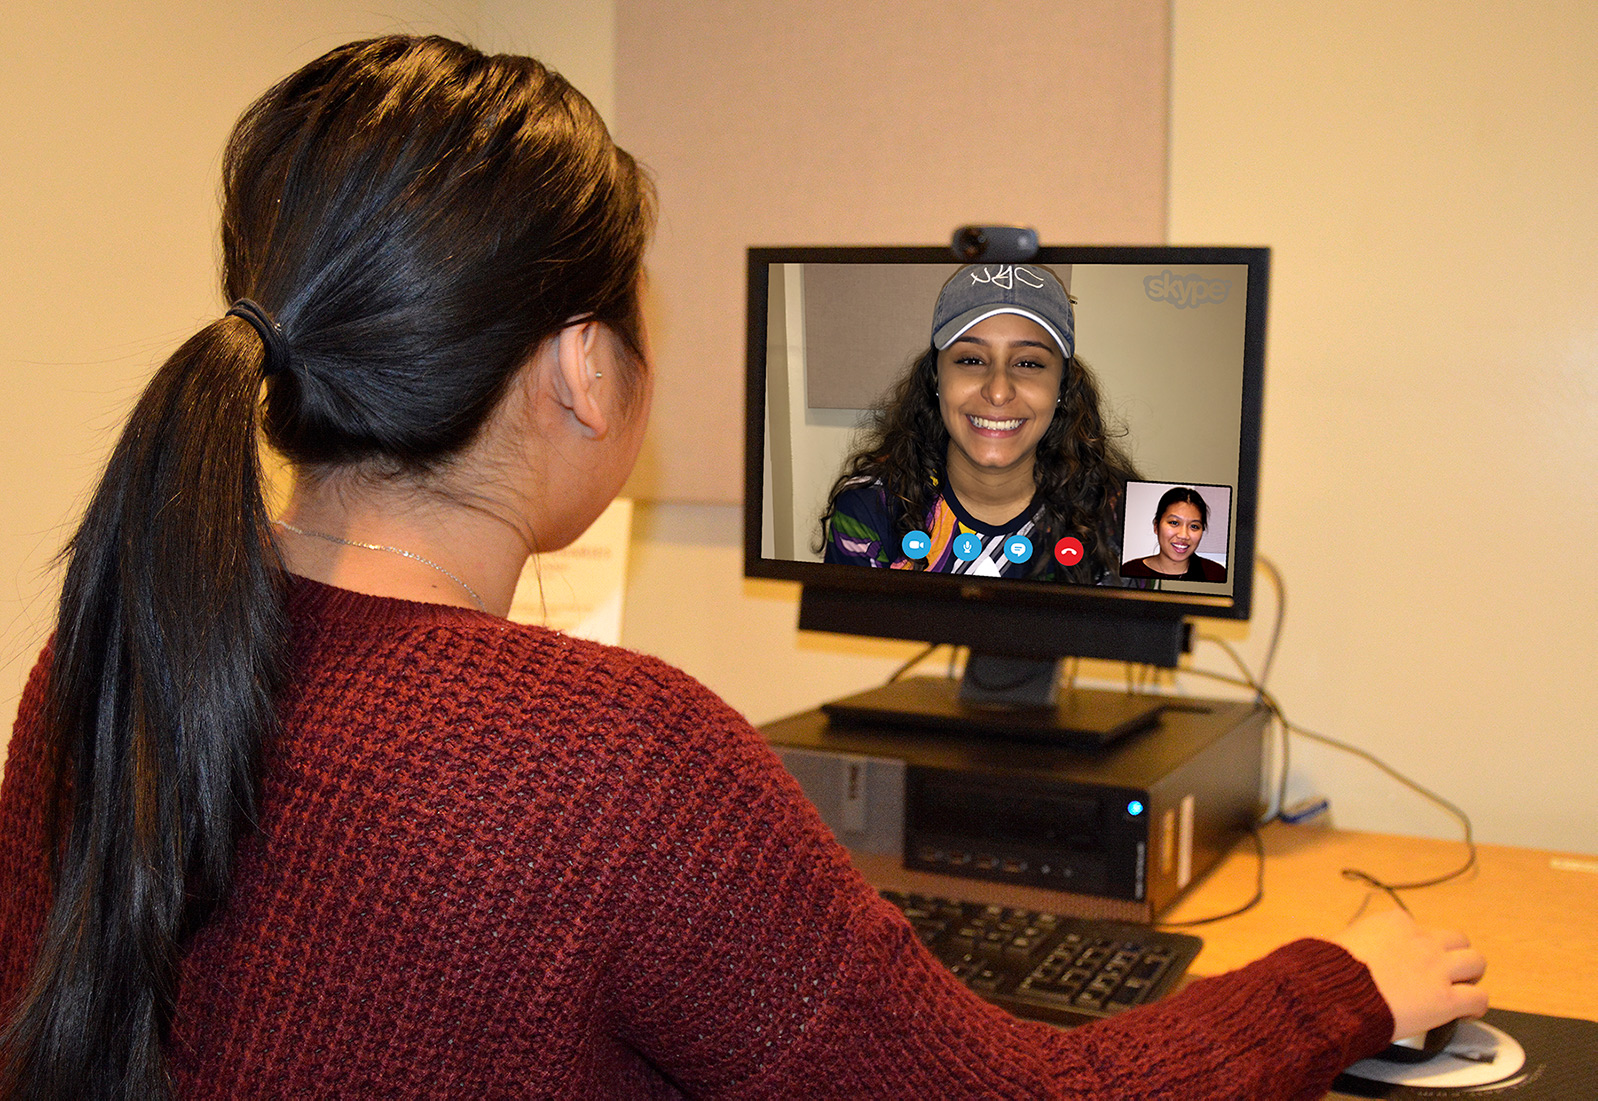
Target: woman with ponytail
(291,810)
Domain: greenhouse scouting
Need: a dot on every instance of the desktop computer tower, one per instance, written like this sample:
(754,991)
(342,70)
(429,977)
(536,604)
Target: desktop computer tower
(1119,831)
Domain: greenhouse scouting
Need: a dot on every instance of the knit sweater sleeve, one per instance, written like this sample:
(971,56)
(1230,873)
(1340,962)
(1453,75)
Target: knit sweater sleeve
(770,969)
(24,876)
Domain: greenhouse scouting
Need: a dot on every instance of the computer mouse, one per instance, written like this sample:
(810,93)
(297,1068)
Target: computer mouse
(1408,1051)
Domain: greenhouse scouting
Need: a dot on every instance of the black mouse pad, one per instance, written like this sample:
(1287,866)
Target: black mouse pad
(1561,1065)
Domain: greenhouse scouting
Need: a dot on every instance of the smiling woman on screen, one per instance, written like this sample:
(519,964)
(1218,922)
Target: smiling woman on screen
(1180,520)
(994,431)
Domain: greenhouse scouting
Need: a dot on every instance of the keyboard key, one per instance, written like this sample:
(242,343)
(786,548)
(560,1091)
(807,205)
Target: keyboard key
(1039,964)
(1130,994)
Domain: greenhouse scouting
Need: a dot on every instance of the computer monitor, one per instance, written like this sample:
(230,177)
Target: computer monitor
(895,393)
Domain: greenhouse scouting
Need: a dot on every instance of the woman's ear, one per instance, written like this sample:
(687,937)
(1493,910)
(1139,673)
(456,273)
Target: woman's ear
(578,368)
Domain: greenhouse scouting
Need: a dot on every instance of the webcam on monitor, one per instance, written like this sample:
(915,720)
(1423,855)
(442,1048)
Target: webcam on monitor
(995,244)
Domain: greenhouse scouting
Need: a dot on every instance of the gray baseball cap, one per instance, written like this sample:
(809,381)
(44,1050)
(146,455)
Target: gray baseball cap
(978,291)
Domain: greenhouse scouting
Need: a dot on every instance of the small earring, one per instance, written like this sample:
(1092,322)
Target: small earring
(599,374)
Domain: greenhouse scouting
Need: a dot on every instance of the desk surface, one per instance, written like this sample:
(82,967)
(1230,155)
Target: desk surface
(1533,913)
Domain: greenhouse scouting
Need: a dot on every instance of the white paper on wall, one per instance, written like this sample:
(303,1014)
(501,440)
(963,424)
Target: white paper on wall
(578,590)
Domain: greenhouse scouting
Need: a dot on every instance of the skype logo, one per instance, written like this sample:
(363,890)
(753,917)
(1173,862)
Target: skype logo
(1185,291)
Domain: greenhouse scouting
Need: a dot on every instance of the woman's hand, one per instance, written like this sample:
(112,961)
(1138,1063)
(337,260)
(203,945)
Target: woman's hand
(1427,977)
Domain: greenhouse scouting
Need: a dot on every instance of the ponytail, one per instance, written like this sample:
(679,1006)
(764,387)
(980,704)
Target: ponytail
(167,657)
(420,218)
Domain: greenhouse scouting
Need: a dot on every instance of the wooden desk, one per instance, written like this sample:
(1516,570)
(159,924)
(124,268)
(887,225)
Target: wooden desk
(1534,914)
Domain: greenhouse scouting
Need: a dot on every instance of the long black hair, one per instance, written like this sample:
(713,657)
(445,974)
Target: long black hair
(417,218)
(1080,471)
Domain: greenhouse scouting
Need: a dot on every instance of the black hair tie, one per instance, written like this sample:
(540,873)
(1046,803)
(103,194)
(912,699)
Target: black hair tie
(277,349)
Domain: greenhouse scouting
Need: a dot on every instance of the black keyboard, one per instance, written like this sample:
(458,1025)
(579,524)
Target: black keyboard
(1064,970)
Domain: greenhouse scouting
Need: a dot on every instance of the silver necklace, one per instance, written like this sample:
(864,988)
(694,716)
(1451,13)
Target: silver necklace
(391,550)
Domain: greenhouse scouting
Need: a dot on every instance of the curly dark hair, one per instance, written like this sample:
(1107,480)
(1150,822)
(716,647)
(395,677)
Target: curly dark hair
(1080,470)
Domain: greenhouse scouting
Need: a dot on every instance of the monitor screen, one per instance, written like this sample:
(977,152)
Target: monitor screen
(1024,458)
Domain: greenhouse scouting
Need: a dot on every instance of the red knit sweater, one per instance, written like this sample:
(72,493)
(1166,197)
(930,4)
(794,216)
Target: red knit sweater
(495,861)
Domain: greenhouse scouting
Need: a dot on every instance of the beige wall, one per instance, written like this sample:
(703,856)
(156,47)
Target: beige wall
(576,38)
(1425,173)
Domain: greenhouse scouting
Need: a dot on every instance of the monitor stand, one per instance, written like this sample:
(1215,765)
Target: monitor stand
(1003,697)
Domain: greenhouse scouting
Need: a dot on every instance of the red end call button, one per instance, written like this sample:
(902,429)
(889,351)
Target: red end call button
(1068,551)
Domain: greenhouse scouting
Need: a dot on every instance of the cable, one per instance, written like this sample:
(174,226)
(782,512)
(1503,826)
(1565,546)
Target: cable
(1464,820)
(1258,684)
(1281,616)
(913,662)
(1269,701)
(1357,874)
(1259,891)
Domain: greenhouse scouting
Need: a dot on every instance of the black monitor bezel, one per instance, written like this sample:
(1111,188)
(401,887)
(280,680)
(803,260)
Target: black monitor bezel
(1098,602)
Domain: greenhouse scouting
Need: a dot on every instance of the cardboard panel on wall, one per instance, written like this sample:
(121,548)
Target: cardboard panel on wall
(874,326)
(821,123)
